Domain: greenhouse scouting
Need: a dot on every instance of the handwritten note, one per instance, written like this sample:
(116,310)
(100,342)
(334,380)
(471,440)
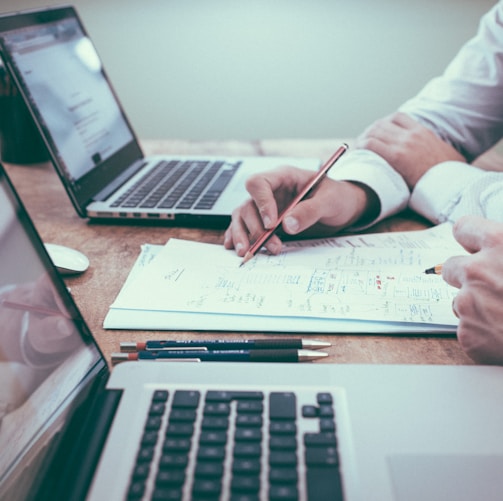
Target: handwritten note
(377,278)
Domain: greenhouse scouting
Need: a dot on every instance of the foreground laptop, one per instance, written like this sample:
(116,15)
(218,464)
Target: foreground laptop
(53,62)
(229,431)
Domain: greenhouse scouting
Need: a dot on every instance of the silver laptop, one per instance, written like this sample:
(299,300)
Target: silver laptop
(53,62)
(229,431)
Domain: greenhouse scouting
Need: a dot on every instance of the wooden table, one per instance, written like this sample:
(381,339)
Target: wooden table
(112,250)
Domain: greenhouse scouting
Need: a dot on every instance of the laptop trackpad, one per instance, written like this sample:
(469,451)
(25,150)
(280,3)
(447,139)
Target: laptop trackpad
(442,477)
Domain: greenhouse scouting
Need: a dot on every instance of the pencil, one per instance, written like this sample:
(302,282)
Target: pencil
(435,270)
(257,245)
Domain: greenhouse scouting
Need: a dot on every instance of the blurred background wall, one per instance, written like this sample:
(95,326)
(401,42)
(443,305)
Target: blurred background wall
(231,69)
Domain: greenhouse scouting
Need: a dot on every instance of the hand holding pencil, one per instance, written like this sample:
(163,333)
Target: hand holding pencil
(311,185)
(299,202)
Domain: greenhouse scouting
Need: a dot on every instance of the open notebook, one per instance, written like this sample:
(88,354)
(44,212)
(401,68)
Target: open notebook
(373,283)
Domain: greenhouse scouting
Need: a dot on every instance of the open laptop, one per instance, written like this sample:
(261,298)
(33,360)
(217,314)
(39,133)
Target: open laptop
(231,431)
(53,62)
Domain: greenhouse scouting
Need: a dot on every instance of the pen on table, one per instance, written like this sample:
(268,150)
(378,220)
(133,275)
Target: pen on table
(257,245)
(224,344)
(435,270)
(222,356)
(42,310)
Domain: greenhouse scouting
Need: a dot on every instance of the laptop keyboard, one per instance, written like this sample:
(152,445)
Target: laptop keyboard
(179,184)
(238,446)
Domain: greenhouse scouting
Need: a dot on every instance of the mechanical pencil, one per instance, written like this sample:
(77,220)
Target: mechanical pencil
(222,356)
(224,344)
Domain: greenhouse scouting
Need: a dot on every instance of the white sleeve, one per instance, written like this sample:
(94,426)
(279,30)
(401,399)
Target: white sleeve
(454,189)
(365,167)
(464,106)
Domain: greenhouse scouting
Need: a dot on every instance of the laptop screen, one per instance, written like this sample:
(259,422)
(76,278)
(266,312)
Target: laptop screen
(58,72)
(46,352)
(62,72)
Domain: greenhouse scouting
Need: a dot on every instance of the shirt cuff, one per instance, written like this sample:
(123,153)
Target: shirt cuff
(368,168)
(439,190)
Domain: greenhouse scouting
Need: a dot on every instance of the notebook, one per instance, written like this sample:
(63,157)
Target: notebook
(53,62)
(70,429)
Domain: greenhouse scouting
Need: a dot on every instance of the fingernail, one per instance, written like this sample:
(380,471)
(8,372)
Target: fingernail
(239,248)
(291,224)
(267,221)
(275,248)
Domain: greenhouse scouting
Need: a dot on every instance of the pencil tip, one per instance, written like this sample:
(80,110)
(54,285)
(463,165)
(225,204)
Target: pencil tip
(247,257)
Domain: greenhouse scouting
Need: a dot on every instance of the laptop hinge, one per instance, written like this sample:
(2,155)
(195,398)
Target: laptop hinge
(117,182)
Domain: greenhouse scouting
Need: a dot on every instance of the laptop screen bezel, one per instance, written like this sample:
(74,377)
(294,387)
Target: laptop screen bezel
(83,190)
(98,366)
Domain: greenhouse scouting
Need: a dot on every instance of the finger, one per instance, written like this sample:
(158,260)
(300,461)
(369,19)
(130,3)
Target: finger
(475,232)
(237,235)
(381,138)
(245,227)
(262,189)
(453,270)
(328,202)
(383,130)
(454,308)
(403,120)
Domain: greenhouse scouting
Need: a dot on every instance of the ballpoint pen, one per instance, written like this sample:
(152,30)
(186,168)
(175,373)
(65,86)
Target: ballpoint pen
(222,356)
(224,344)
(257,245)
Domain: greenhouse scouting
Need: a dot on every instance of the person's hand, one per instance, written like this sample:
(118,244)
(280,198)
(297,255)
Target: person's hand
(409,147)
(479,277)
(332,206)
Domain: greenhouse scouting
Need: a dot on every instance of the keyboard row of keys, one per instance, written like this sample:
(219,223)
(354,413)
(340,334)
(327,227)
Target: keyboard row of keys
(179,184)
(230,438)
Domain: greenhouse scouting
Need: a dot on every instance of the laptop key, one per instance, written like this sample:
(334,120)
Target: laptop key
(281,475)
(187,399)
(324,483)
(136,490)
(282,406)
(171,477)
(209,469)
(286,492)
(322,456)
(167,494)
(245,483)
(176,444)
(206,488)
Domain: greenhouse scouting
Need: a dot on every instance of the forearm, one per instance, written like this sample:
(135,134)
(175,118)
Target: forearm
(464,106)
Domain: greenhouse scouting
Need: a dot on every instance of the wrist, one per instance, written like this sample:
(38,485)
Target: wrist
(366,204)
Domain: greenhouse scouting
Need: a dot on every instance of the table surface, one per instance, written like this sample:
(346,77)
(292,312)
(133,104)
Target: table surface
(113,248)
